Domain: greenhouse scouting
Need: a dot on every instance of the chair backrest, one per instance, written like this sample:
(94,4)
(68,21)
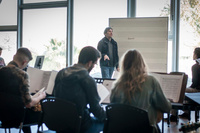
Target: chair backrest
(122,118)
(60,115)
(12,110)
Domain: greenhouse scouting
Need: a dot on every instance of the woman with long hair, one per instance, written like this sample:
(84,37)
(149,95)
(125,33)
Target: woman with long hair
(135,87)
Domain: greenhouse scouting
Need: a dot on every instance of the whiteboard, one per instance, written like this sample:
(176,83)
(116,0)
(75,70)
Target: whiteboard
(147,35)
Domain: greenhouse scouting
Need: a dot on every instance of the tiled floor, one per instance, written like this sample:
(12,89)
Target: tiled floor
(173,127)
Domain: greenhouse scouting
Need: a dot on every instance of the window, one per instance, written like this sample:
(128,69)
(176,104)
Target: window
(8,44)
(189,34)
(38,1)
(44,33)
(152,8)
(8,12)
(8,21)
(91,17)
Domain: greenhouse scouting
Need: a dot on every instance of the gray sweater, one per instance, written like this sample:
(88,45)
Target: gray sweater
(150,99)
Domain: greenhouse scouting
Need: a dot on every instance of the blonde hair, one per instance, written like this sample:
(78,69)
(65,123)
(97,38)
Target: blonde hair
(132,74)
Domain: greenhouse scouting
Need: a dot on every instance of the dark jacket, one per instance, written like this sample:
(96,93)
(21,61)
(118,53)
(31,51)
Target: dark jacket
(74,84)
(103,48)
(196,76)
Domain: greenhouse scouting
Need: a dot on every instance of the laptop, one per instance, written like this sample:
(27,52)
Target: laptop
(39,62)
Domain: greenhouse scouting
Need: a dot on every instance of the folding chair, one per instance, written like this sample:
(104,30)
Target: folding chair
(60,116)
(122,118)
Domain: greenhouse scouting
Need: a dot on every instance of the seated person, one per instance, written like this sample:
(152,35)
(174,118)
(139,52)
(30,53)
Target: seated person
(2,63)
(195,86)
(76,85)
(19,84)
(135,87)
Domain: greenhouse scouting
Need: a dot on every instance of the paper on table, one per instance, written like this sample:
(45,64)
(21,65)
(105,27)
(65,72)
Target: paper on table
(170,84)
(115,74)
(108,84)
(51,82)
(102,91)
(39,79)
(36,94)
(35,78)
(45,79)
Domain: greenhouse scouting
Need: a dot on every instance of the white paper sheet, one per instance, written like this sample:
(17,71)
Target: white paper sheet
(102,91)
(51,82)
(170,84)
(40,79)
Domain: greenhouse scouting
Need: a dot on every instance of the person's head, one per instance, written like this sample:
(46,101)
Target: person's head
(0,51)
(132,61)
(132,74)
(108,32)
(22,57)
(196,54)
(88,57)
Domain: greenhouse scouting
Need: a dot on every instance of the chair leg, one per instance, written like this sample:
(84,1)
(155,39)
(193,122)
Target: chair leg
(189,118)
(42,127)
(5,130)
(177,118)
(168,120)
(20,127)
(196,114)
(163,124)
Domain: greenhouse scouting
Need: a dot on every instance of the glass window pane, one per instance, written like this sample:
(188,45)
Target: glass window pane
(8,12)
(44,33)
(8,44)
(152,8)
(38,1)
(189,34)
(91,17)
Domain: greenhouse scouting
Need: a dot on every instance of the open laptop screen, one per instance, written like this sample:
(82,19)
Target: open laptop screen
(39,62)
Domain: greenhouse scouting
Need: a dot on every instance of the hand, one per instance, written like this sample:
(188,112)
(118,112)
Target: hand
(106,57)
(42,95)
(39,92)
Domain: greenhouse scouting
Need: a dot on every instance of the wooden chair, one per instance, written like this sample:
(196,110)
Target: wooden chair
(122,118)
(60,116)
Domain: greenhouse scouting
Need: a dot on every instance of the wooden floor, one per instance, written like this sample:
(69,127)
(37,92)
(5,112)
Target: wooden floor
(173,127)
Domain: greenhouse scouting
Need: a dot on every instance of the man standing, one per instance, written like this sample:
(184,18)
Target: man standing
(76,85)
(2,63)
(109,51)
(15,81)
